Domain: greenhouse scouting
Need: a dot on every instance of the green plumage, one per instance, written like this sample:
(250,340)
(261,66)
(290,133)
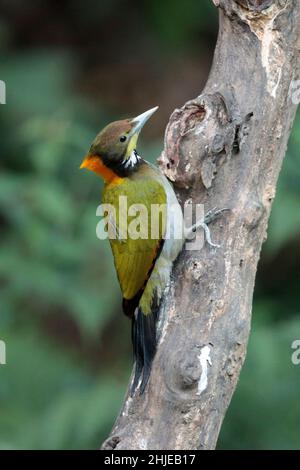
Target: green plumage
(134,258)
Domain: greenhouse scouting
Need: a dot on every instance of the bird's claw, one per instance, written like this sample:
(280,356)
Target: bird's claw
(211,215)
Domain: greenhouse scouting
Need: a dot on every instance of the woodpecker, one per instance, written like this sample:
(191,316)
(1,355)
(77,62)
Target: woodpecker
(143,265)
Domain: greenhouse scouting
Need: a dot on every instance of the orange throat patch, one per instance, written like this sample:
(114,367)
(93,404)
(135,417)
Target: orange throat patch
(95,164)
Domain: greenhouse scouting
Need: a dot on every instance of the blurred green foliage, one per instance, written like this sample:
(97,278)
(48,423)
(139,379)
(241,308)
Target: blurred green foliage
(68,345)
(51,264)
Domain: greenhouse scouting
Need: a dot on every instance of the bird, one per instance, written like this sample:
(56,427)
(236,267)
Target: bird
(143,264)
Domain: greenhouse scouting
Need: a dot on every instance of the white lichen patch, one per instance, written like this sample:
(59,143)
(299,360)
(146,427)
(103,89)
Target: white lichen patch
(272,57)
(272,53)
(143,444)
(163,322)
(128,402)
(205,361)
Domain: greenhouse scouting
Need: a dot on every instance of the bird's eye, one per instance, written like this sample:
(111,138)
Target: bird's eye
(123,138)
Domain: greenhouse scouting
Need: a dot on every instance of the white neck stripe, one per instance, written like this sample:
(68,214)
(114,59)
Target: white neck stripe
(132,160)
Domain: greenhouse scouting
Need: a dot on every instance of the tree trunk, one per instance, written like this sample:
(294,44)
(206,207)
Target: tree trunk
(224,149)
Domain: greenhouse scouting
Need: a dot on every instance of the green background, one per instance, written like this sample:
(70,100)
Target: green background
(69,70)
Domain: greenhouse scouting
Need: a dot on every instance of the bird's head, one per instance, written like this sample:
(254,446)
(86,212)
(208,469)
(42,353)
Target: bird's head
(113,152)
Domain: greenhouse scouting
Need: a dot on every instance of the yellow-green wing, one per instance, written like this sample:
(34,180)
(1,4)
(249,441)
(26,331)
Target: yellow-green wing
(134,258)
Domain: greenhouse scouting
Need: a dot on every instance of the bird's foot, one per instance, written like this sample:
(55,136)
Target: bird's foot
(211,216)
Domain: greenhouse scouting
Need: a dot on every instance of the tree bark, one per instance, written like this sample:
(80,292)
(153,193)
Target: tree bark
(224,149)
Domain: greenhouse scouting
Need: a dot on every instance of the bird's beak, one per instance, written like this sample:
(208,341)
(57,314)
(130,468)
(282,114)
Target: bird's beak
(139,121)
(85,162)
